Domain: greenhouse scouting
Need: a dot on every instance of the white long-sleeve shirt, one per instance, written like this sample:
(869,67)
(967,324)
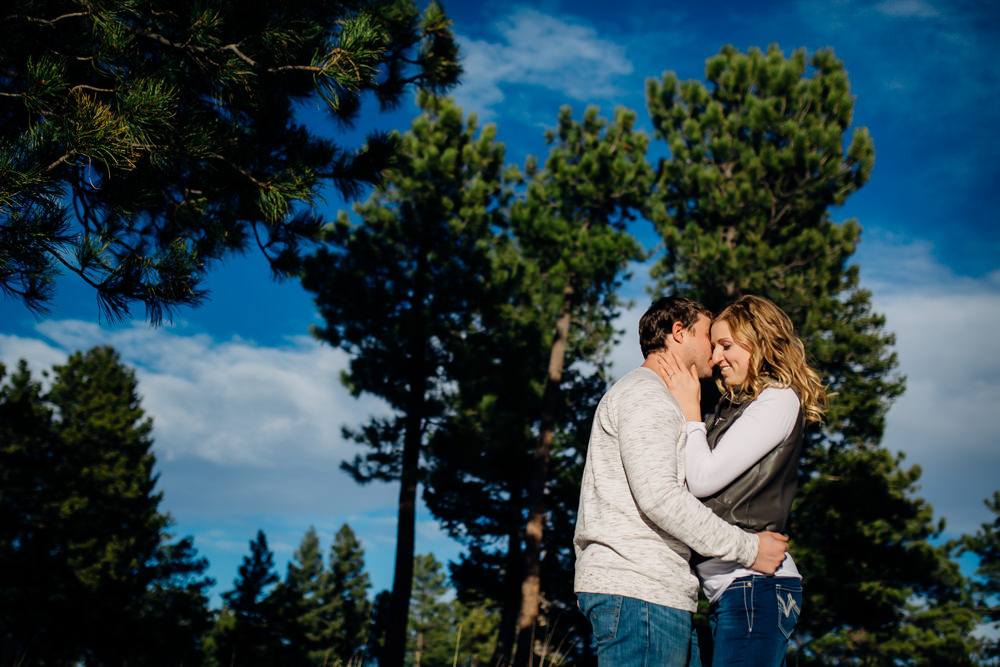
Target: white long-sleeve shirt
(636,518)
(763,426)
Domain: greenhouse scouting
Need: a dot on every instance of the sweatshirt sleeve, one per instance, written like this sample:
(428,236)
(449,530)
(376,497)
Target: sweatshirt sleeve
(763,426)
(650,424)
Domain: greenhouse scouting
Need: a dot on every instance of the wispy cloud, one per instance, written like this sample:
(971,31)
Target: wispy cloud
(232,402)
(561,54)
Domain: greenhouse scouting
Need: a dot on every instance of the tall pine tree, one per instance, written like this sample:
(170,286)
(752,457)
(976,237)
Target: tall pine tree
(571,226)
(758,157)
(537,348)
(396,289)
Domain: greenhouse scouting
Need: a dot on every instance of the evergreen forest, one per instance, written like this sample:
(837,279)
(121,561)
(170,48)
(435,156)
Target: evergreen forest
(144,142)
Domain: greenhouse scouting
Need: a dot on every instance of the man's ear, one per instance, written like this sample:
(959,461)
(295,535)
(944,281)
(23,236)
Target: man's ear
(677,332)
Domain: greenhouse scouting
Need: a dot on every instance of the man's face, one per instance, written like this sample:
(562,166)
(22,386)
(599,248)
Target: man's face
(696,348)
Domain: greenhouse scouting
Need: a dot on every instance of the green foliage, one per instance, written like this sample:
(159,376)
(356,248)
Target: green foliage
(890,593)
(985,545)
(398,289)
(140,142)
(323,614)
(429,625)
(80,527)
(756,161)
(532,364)
(442,630)
(345,596)
(250,630)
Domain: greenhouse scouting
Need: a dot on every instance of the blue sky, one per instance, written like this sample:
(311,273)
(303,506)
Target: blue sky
(247,407)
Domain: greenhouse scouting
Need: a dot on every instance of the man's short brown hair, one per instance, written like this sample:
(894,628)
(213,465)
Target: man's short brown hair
(657,322)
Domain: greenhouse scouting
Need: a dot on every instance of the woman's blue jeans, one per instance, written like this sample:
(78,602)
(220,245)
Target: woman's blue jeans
(753,620)
(635,633)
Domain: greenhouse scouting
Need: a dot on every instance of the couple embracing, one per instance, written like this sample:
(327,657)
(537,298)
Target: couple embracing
(662,492)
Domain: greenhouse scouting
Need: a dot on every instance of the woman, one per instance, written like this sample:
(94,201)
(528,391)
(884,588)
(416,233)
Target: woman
(745,468)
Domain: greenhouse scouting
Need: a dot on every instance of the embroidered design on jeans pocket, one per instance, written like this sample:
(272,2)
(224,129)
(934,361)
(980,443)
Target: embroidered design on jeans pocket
(788,609)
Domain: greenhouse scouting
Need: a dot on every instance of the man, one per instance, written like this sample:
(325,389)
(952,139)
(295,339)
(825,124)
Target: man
(637,523)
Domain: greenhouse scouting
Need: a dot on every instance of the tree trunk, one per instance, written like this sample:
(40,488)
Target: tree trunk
(402,583)
(511,602)
(531,581)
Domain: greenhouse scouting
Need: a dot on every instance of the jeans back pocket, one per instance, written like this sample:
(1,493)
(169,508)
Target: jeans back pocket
(603,611)
(789,599)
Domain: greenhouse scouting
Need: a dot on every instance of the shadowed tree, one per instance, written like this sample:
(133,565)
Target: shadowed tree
(80,526)
(757,159)
(141,142)
(346,587)
(301,611)
(249,630)
(396,291)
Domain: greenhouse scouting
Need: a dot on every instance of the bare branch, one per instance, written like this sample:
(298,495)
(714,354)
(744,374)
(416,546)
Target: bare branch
(49,22)
(62,159)
(245,58)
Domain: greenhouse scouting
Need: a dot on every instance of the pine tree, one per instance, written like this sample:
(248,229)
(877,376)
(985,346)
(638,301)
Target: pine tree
(253,635)
(571,226)
(443,631)
(346,595)
(142,142)
(80,526)
(756,160)
(538,345)
(298,599)
(431,626)
(397,289)
(985,545)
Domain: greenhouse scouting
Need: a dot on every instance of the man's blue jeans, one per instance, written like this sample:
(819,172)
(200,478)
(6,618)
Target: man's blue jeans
(753,619)
(634,633)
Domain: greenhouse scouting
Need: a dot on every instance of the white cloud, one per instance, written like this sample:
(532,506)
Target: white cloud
(233,402)
(535,49)
(238,429)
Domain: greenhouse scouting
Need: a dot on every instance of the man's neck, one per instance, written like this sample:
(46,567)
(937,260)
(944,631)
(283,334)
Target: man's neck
(652,364)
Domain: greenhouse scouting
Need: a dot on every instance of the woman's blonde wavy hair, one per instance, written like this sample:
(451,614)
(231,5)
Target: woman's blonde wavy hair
(777,355)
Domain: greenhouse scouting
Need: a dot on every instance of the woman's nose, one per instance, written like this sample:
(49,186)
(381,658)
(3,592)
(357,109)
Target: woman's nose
(716,355)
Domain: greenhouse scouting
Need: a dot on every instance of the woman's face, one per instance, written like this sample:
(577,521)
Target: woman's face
(732,358)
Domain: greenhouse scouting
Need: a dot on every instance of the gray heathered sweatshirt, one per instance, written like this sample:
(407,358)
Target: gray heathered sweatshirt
(636,518)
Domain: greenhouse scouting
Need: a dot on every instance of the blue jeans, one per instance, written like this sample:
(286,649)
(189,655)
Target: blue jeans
(634,633)
(753,620)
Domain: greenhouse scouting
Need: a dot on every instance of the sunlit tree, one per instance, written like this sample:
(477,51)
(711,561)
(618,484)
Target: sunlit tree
(758,157)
